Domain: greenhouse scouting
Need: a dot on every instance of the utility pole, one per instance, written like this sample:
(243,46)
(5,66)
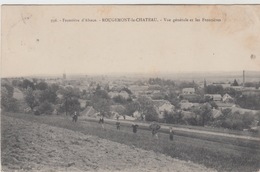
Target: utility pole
(66,106)
(243,78)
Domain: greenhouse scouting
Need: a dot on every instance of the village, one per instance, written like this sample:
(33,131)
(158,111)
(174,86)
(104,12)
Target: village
(229,105)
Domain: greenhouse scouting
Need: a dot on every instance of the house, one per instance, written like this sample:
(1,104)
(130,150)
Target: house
(187,115)
(138,90)
(113,94)
(223,105)
(214,97)
(217,97)
(188,91)
(216,113)
(161,106)
(115,87)
(224,85)
(191,97)
(186,105)
(227,98)
(18,94)
(82,103)
(242,110)
(237,88)
(251,92)
(157,95)
(137,114)
(123,94)
(89,112)
(255,125)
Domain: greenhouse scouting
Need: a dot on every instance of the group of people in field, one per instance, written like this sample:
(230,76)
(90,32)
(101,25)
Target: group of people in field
(154,127)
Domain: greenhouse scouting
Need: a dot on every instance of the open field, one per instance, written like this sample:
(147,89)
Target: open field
(221,154)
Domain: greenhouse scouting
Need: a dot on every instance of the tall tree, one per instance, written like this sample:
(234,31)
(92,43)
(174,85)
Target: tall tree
(30,98)
(147,108)
(27,83)
(100,100)
(235,83)
(42,85)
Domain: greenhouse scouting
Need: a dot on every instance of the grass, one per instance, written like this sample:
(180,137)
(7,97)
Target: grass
(228,154)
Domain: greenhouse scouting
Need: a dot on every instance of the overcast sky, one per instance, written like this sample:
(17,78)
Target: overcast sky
(32,45)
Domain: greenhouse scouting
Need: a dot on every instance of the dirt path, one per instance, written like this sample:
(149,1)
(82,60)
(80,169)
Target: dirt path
(28,146)
(190,130)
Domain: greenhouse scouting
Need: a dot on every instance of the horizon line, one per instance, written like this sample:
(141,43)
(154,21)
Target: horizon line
(134,73)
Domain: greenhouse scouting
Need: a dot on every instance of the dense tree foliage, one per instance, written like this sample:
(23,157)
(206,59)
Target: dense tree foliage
(232,92)
(70,105)
(249,101)
(131,107)
(8,103)
(17,83)
(69,100)
(252,84)
(41,85)
(214,89)
(45,108)
(127,90)
(101,101)
(237,121)
(161,82)
(49,95)
(173,117)
(120,99)
(30,98)
(173,98)
(235,83)
(186,84)
(27,83)
(146,108)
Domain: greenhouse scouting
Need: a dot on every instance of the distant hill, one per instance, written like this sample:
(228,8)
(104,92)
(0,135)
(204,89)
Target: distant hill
(213,76)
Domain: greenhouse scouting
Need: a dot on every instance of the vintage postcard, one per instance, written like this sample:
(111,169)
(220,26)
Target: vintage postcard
(130,88)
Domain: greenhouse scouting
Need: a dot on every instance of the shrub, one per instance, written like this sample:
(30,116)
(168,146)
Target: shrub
(175,117)
(70,105)
(30,98)
(237,121)
(120,99)
(151,114)
(9,104)
(249,102)
(45,108)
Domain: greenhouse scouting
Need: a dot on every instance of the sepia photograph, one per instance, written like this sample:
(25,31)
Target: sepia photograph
(130,88)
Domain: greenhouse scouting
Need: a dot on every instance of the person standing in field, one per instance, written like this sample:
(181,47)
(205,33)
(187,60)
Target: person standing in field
(155,128)
(117,116)
(75,117)
(101,120)
(171,133)
(142,117)
(135,126)
(118,125)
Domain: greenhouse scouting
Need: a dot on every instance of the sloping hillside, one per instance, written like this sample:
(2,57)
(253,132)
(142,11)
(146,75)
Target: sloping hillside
(28,146)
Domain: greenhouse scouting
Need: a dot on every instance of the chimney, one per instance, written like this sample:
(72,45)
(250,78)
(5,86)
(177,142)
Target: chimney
(243,78)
